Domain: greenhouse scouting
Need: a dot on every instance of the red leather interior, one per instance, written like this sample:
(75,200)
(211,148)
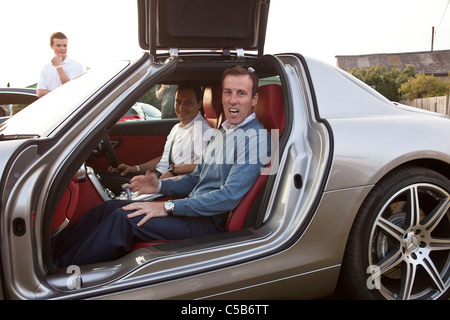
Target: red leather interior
(212,104)
(78,198)
(67,206)
(127,152)
(237,216)
(270,107)
(139,149)
(89,198)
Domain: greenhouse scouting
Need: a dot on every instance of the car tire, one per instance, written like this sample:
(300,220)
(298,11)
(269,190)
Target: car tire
(399,244)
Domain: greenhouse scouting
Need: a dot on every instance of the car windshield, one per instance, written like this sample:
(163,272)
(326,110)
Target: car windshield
(46,114)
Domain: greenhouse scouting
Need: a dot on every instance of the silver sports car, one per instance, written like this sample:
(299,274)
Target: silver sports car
(356,196)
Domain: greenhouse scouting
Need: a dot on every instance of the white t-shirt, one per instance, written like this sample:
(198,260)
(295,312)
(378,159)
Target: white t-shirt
(49,79)
(188,143)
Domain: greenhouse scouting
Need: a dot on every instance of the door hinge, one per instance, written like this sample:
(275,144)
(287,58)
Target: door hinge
(173,52)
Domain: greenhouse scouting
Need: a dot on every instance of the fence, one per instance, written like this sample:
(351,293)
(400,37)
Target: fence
(435,104)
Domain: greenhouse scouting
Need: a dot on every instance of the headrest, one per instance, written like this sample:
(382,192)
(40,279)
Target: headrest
(212,104)
(270,107)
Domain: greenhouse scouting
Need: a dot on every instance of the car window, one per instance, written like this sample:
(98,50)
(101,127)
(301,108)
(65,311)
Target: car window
(269,80)
(157,103)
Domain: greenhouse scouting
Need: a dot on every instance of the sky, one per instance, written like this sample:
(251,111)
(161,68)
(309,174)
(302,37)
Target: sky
(106,30)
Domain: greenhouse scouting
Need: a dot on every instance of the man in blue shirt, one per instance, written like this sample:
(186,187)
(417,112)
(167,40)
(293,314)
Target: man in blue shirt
(228,168)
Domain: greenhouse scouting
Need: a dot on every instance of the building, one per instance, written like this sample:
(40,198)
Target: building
(435,63)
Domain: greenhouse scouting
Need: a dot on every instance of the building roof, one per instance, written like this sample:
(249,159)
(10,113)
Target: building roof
(429,62)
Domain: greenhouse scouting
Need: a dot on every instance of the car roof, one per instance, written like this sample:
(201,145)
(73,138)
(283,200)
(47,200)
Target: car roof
(17,96)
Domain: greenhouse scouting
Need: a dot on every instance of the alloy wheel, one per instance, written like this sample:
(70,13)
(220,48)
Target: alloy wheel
(409,245)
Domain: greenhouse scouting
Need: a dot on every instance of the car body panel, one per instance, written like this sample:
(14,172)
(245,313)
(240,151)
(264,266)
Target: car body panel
(384,133)
(386,125)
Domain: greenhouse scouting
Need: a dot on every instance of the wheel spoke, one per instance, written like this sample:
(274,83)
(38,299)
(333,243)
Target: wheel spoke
(413,214)
(407,282)
(434,274)
(434,217)
(395,231)
(439,244)
(390,261)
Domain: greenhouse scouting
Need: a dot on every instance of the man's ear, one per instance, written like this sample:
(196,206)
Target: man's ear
(255,99)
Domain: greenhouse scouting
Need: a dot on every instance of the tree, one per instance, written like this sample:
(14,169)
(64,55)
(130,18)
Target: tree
(423,86)
(385,82)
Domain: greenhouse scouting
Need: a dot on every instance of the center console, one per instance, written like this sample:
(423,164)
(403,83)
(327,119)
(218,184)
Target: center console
(107,194)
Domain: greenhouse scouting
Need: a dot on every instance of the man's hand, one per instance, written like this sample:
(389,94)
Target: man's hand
(149,209)
(126,169)
(147,183)
(57,63)
(57,60)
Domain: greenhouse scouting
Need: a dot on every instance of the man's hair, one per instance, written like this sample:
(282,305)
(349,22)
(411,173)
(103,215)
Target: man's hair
(239,71)
(189,85)
(57,35)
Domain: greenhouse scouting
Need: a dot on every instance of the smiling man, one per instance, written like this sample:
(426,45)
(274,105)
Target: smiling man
(183,147)
(61,69)
(204,197)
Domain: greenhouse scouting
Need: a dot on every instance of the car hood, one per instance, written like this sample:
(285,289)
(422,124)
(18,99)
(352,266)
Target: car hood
(203,25)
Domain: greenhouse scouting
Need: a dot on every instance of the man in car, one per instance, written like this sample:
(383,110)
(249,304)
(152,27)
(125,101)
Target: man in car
(61,69)
(227,170)
(183,147)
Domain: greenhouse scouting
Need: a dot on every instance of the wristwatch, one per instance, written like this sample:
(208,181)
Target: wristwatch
(171,169)
(169,206)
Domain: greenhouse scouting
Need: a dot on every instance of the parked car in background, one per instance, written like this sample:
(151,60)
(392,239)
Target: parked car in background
(357,193)
(22,97)
(15,96)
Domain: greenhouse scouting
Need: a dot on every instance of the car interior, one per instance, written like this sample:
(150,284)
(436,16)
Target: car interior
(134,141)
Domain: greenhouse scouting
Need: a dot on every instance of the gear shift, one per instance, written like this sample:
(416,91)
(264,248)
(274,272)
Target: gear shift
(126,187)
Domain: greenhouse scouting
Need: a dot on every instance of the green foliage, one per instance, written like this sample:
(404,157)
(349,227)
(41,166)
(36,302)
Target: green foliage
(150,98)
(17,107)
(385,82)
(424,86)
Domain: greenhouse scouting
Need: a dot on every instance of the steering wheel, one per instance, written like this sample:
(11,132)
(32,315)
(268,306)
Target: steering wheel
(110,154)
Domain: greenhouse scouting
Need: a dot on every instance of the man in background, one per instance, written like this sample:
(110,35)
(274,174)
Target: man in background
(61,69)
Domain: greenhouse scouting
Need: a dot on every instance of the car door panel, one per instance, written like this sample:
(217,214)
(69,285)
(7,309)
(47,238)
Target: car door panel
(136,142)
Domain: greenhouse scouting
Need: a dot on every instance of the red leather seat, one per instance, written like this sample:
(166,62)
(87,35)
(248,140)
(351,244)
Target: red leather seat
(66,207)
(212,104)
(270,107)
(70,209)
